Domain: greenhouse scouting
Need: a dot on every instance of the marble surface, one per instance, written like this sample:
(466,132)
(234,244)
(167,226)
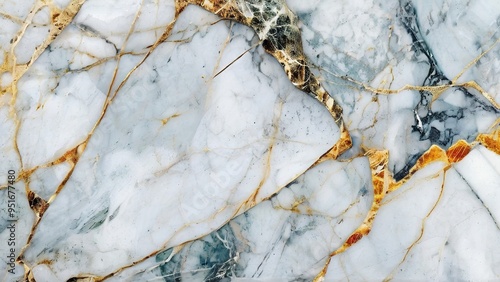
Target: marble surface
(250,140)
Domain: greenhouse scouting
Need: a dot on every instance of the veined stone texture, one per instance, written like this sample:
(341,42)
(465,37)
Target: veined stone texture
(249,140)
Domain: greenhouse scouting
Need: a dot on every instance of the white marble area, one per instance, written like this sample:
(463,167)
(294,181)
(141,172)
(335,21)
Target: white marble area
(152,145)
(361,47)
(457,241)
(302,225)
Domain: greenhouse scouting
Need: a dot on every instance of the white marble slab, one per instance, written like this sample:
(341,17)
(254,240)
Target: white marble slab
(287,237)
(177,154)
(156,141)
(430,231)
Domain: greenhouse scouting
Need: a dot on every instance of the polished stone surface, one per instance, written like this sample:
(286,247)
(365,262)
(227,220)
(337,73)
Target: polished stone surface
(253,140)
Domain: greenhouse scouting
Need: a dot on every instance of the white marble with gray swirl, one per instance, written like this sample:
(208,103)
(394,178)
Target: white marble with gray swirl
(196,177)
(177,154)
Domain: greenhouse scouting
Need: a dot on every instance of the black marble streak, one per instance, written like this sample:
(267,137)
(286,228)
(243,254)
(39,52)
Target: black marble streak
(422,52)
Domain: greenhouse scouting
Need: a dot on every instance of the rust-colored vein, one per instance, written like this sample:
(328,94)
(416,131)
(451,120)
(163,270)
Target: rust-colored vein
(491,140)
(380,180)
(384,183)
